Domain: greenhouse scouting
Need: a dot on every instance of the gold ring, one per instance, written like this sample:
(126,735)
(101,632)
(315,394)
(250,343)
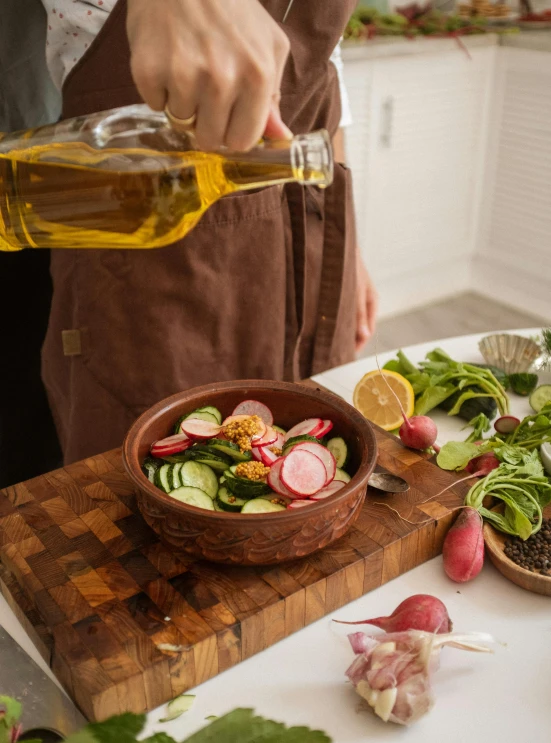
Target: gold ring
(180,123)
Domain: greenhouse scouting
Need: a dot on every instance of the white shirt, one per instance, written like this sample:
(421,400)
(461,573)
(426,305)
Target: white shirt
(74,24)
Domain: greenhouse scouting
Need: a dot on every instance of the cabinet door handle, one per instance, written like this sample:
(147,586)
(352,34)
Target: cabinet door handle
(387,116)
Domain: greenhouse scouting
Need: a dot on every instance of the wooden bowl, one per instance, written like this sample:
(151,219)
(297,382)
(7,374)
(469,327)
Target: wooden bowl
(252,539)
(495,544)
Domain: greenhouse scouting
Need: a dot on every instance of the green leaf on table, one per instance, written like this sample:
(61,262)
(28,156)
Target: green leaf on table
(456,455)
(123,728)
(469,394)
(395,366)
(431,398)
(158,738)
(243,726)
(83,736)
(12,710)
(406,364)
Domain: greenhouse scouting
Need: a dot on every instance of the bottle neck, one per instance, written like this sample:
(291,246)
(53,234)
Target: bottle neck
(306,159)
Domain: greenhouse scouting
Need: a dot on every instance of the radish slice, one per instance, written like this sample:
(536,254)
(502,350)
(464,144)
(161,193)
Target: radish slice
(257,453)
(198,429)
(328,490)
(322,453)
(309,427)
(171,445)
(327,426)
(262,428)
(274,479)
(279,441)
(268,457)
(270,437)
(506,424)
(300,503)
(303,473)
(253,407)
(264,455)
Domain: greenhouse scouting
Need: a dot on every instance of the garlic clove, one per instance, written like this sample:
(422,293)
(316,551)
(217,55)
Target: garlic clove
(385,703)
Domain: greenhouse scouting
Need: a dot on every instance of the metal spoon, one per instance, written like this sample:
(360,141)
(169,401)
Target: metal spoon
(388,483)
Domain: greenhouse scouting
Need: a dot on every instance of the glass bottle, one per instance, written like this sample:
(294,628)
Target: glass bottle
(125,179)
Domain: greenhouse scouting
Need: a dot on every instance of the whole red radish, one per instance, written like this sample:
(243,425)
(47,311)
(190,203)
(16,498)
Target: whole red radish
(418,432)
(421,612)
(483,464)
(463,550)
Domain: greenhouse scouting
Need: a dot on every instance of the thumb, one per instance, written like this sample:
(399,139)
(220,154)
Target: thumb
(275,128)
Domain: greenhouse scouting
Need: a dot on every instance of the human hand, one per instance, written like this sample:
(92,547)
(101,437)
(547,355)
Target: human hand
(221,60)
(367,303)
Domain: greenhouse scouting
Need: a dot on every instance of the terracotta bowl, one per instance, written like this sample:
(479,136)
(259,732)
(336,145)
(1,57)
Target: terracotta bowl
(252,539)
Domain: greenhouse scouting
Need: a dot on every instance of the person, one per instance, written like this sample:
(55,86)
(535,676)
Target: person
(265,285)
(28,442)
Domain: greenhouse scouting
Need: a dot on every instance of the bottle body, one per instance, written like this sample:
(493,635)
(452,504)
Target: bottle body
(125,179)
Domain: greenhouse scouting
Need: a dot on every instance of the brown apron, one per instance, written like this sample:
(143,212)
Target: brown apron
(263,287)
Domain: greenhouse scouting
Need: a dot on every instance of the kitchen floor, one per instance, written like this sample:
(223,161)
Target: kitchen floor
(461,315)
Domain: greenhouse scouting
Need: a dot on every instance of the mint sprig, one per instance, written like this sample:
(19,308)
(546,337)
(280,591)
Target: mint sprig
(238,726)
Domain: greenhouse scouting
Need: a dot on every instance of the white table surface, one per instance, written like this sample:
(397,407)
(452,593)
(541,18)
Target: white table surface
(504,697)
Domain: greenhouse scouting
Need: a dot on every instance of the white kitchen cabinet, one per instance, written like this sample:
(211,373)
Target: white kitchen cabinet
(416,149)
(513,260)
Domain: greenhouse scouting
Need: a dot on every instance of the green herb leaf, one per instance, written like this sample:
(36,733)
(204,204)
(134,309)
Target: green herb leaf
(242,726)
(395,366)
(481,425)
(456,455)
(123,728)
(159,738)
(84,736)
(12,711)
(432,397)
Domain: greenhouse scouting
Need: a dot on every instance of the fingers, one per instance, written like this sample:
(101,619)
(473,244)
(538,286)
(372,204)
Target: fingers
(275,128)
(362,324)
(372,307)
(220,60)
(250,111)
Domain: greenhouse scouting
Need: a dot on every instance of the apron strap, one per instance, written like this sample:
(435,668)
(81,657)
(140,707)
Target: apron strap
(337,285)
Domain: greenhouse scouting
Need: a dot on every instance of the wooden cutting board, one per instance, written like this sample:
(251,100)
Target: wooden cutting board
(127,625)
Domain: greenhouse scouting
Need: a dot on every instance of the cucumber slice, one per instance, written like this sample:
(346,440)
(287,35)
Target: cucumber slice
(261,505)
(218,465)
(228,501)
(174,475)
(231,449)
(217,506)
(178,706)
(279,430)
(212,411)
(206,448)
(178,423)
(298,440)
(150,466)
(209,456)
(242,487)
(342,475)
(162,478)
(197,475)
(181,456)
(540,397)
(203,416)
(193,497)
(339,450)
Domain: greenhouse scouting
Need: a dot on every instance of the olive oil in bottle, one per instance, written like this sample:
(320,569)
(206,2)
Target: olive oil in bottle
(125,179)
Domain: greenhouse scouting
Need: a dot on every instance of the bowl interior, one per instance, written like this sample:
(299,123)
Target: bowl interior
(289,403)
